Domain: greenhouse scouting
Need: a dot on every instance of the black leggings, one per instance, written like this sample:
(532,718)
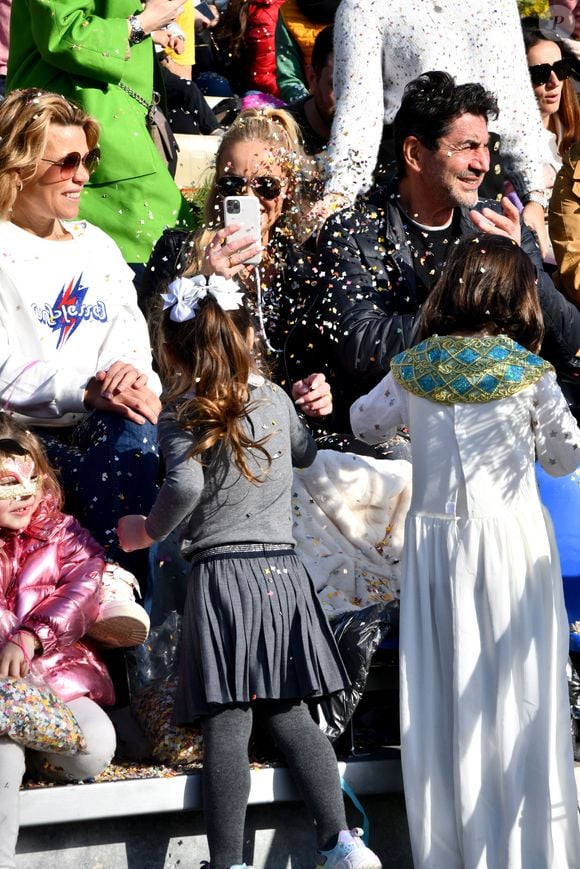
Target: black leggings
(226,773)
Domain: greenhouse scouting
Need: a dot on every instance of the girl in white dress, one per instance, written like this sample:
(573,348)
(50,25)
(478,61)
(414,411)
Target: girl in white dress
(486,751)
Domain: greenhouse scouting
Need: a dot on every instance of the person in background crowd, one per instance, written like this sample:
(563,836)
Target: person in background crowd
(564,223)
(299,23)
(187,109)
(5,6)
(380,47)
(564,25)
(245,37)
(315,112)
(105,63)
(550,76)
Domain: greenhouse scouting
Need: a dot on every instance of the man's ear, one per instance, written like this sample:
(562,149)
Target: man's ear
(310,78)
(412,153)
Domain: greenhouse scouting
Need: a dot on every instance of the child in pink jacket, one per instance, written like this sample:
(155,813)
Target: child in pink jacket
(50,577)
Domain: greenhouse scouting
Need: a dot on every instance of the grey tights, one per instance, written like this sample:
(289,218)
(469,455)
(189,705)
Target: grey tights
(226,773)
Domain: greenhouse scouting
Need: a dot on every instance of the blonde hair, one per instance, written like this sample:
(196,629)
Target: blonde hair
(15,440)
(25,118)
(278,130)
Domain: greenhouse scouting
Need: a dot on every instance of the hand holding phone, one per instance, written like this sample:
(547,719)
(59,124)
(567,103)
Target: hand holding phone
(209,14)
(245,212)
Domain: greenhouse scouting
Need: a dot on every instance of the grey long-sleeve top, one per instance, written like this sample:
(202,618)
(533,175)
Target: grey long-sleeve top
(217,504)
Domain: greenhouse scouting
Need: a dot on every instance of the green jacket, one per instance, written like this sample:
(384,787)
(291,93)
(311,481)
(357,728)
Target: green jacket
(79,48)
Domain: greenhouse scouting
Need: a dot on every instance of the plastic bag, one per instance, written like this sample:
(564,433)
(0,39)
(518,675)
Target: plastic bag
(574,696)
(158,657)
(358,634)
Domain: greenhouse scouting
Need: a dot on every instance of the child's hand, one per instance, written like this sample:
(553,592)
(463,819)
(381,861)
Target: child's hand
(132,534)
(16,655)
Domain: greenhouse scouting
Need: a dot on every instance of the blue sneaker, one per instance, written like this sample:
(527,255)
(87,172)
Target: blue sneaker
(350,852)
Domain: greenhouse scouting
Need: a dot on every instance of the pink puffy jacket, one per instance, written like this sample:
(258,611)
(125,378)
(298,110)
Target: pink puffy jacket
(50,576)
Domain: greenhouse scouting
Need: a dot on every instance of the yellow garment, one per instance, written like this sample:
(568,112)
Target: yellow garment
(187,23)
(301,29)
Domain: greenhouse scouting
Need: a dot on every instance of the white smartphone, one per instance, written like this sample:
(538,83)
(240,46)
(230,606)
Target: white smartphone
(244,210)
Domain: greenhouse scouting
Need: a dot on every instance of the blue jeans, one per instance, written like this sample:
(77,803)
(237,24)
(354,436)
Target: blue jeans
(108,466)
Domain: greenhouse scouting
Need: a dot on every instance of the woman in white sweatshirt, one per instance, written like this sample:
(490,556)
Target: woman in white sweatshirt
(75,362)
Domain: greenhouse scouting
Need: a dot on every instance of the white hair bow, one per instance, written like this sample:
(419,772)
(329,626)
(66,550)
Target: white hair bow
(185,294)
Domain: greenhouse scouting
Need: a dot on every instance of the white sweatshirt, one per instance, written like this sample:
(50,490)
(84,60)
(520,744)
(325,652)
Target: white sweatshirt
(67,310)
(381,45)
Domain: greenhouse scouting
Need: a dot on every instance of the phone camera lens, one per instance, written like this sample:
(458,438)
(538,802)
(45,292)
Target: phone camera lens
(233,207)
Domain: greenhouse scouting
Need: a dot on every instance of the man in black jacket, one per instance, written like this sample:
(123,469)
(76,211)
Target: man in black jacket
(380,260)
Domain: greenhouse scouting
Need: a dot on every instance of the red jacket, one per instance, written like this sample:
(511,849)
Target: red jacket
(50,575)
(259,46)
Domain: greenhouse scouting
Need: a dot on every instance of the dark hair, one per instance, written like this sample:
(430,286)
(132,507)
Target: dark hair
(488,282)
(568,111)
(205,363)
(231,28)
(15,440)
(429,106)
(322,49)
(318,11)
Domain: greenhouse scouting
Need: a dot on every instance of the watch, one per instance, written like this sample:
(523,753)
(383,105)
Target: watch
(137,33)
(539,197)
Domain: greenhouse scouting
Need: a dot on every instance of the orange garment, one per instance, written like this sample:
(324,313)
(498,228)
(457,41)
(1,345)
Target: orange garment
(302,30)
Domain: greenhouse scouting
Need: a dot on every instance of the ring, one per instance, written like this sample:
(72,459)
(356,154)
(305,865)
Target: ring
(230,261)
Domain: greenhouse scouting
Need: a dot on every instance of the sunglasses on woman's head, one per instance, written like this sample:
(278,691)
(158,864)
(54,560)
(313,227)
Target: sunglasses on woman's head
(541,72)
(264,186)
(70,163)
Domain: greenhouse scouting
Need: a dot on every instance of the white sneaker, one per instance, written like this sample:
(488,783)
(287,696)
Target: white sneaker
(122,622)
(350,852)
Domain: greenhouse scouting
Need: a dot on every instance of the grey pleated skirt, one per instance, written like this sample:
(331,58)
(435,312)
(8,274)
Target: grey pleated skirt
(253,629)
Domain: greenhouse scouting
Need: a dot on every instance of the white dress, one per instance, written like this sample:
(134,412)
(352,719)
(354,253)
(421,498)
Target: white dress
(485,721)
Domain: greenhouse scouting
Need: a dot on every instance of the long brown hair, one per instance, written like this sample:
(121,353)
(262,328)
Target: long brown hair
(569,114)
(25,119)
(488,283)
(232,26)
(568,111)
(15,440)
(205,363)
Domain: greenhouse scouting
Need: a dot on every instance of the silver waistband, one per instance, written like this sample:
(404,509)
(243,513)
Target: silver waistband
(227,549)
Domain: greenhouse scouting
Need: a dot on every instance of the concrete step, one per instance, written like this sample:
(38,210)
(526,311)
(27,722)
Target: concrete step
(278,836)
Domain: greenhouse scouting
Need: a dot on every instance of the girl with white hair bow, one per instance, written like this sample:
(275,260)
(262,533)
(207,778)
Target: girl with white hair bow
(252,618)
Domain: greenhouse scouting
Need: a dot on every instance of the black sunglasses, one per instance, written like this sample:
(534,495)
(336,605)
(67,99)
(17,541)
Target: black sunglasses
(264,186)
(541,72)
(70,163)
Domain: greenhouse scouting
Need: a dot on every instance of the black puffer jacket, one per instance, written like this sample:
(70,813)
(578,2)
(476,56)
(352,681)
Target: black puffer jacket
(367,307)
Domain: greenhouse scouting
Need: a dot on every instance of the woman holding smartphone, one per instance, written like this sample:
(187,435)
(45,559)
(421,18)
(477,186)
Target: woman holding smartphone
(261,158)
